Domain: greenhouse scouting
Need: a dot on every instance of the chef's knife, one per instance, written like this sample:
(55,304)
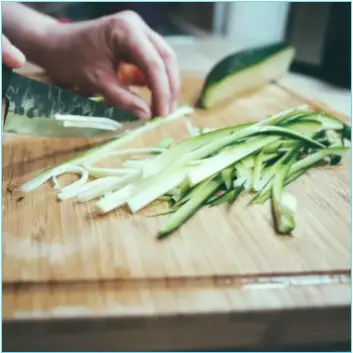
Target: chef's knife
(31,106)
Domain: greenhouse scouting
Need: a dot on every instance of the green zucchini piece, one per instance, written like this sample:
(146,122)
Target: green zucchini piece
(282,203)
(229,196)
(203,191)
(170,211)
(334,140)
(284,210)
(268,174)
(227,176)
(245,71)
(299,168)
(181,190)
(257,171)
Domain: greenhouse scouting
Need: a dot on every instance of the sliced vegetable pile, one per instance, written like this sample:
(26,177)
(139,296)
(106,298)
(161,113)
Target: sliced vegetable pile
(211,167)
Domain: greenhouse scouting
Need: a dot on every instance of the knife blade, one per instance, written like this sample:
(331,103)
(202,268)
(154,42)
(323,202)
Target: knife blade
(31,106)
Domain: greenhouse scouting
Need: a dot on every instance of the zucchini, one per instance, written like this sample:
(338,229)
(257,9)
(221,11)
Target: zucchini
(203,191)
(298,169)
(207,169)
(283,204)
(244,71)
(229,196)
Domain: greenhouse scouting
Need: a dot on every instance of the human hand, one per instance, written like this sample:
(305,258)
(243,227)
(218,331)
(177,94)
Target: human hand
(86,55)
(12,57)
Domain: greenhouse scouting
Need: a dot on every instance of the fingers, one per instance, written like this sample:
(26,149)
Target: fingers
(171,66)
(144,48)
(120,96)
(145,55)
(11,56)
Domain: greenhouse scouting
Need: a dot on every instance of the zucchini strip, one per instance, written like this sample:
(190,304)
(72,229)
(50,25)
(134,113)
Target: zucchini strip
(203,191)
(282,203)
(212,167)
(300,167)
(68,194)
(229,196)
(227,177)
(102,149)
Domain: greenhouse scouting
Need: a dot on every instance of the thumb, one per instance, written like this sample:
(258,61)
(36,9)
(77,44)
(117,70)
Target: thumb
(11,56)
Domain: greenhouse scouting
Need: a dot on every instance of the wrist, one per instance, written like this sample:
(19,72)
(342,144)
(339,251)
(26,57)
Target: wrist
(27,29)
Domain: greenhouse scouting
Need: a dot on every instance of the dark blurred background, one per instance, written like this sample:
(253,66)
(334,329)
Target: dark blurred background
(320,31)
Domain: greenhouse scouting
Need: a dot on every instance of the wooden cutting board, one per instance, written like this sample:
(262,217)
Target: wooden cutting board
(47,240)
(59,261)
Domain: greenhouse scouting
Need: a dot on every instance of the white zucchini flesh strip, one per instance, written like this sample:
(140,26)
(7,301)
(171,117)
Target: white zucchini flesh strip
(87,119)
(135,164)
(215,164)
(131,151)
(89,125)
(114,200)
(149,190)
(41,179)
(97,152)
(88,186)
(102,189)
(77,183)
(99,171)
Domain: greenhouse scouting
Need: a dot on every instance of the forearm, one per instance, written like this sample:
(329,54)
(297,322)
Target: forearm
(27,29)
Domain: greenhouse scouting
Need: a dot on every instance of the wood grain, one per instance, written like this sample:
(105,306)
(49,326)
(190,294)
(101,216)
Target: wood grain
(59,261)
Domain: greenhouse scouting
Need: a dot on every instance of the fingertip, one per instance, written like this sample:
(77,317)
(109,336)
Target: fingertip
(20,57)
(143,114)
(14,58)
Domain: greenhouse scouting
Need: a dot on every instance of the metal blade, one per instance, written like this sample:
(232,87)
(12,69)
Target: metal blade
(32,106)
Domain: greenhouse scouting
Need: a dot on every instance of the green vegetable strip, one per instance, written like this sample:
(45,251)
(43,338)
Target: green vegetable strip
(247,132)
(334,140)
(203,145)
(276,130)
(258,167)
(221,161)
(284,217)
(204,191)
(270,172)
(185,147)
(227,176)
(181,190)
(229,196)
(248,162)
(300,167)
(201,170)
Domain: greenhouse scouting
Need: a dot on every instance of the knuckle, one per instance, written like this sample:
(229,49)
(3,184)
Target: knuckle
(168,55)
(129,16)
(124,20)
(155,64)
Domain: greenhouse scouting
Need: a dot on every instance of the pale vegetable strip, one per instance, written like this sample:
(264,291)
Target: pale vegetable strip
(105,148)
(86,121)
(89,125)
